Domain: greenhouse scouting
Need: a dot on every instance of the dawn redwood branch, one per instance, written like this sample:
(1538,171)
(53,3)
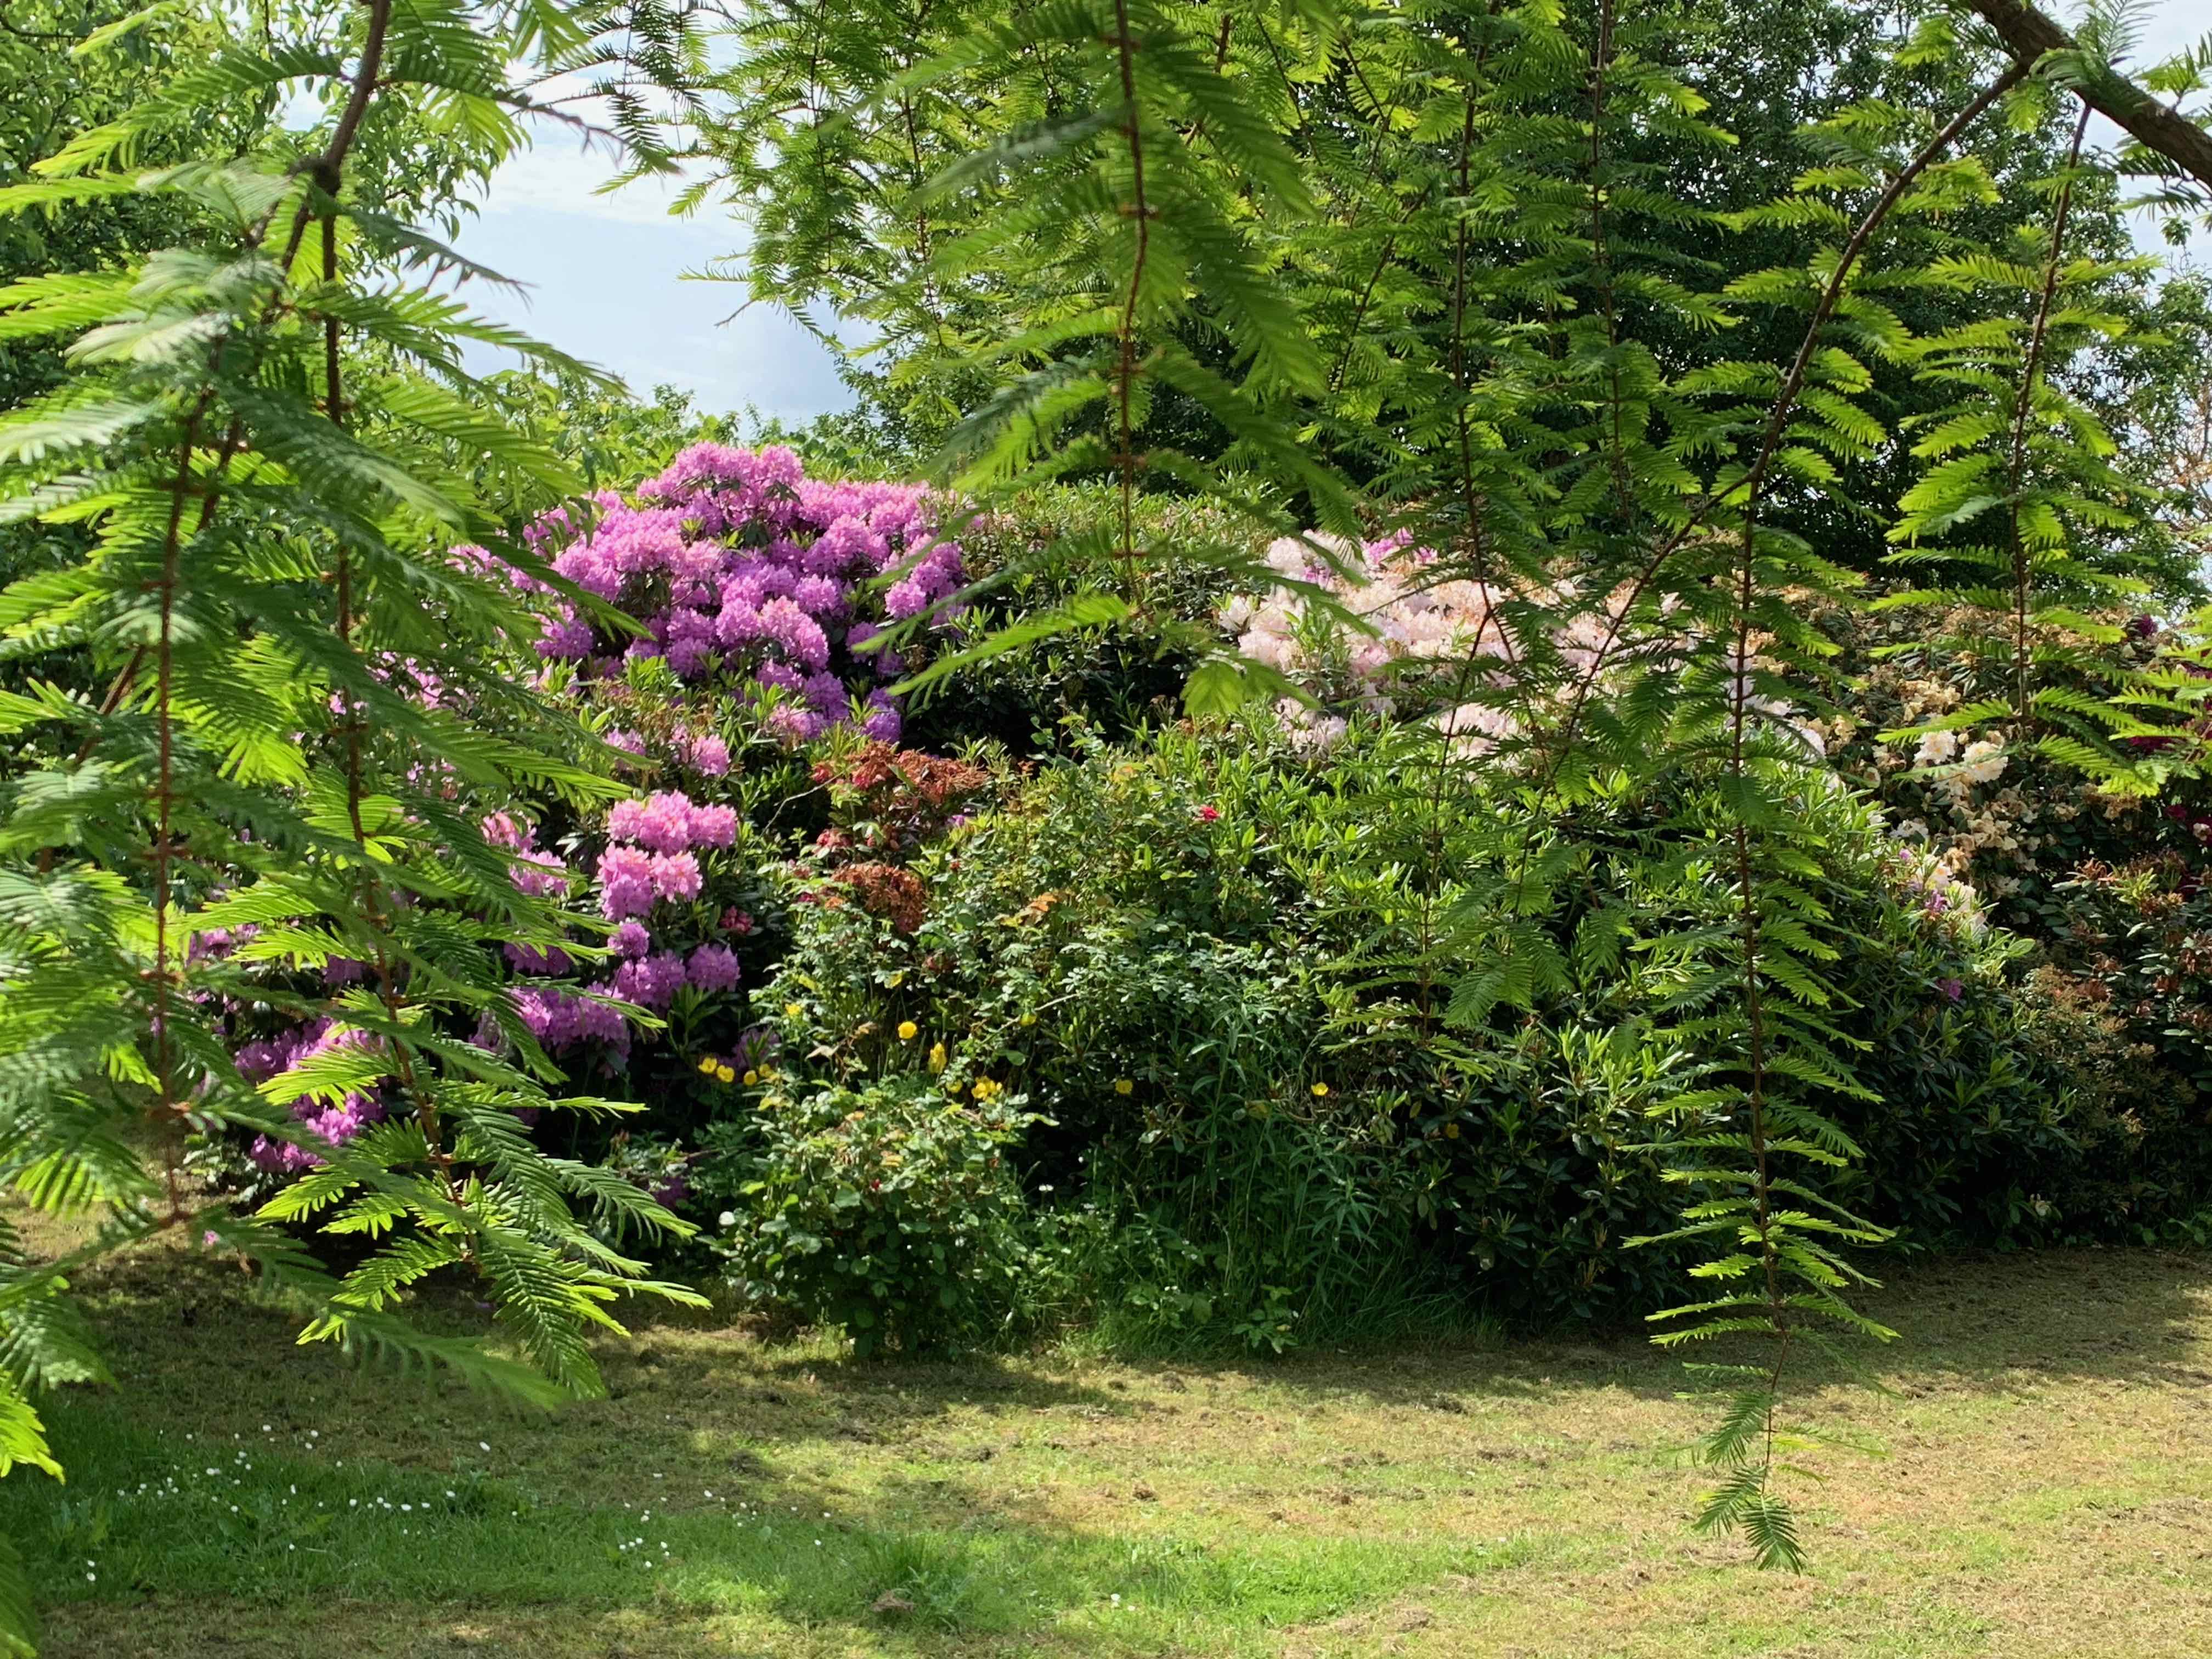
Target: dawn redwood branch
(1751,486)
(2030,35)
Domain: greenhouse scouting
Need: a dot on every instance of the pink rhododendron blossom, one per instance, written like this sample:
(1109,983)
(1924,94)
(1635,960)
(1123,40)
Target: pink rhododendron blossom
(650,982)
(712,968)
(596,1019)
(336,1123)
(708,755)
(626,882)
(675,875)
(740,564)
(883,720)
(713,826)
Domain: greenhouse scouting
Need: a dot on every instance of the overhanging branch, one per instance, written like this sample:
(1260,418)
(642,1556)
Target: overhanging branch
(2030,36)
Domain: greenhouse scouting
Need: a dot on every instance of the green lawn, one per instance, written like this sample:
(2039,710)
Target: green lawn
(2046,1490)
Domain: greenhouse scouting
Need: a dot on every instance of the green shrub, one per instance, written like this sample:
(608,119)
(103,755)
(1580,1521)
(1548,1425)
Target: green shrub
(1222,969)
(890,1210)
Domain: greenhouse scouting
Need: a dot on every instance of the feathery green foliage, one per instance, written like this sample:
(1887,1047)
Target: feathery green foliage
(1489,270)
(302,586)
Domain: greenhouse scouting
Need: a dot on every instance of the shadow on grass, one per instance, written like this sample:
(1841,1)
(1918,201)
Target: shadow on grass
(795,1487)
(161,1546)
(2139,1316)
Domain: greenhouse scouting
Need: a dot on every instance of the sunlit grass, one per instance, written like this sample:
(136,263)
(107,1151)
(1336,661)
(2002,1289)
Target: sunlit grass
(2050,1443)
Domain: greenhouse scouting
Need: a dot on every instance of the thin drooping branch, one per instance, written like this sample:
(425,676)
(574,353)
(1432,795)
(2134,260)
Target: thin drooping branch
(1749,489)
(2031,36)
(1125,340)
(2031,372)
(169,581)
(1750,924)
(925,257)
(1601,255)
(164,724)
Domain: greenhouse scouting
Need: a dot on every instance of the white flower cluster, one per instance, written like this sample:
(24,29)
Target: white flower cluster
(1932,881)
(1982,761)
(1407,613)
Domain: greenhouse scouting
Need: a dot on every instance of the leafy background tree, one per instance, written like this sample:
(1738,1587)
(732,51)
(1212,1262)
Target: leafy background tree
(1639,352)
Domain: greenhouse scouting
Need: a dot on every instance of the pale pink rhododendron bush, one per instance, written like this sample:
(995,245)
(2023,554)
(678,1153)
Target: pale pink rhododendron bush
(1381,624)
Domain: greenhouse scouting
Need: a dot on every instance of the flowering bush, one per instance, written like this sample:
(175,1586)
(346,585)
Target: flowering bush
(2103,884)
(1995,812)
(1144,943)
(762,593)
(891,1210)
(748,574)
(1375,627)
(821,958)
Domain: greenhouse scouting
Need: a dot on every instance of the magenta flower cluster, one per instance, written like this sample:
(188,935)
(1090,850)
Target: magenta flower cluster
(651,855)
(271,1056)
(669,821)
(535,871)
(742,567)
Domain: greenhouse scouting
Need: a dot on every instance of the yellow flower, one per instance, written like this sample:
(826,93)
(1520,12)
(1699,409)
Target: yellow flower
(751,1077)
(726,1074)
(708,1064)
(907,1030)
(985,1088)
(895,980)
(1028,1019)
(1122,1086)
(936,1057)
(1320,1090)
(792,1010)
(1451,1132)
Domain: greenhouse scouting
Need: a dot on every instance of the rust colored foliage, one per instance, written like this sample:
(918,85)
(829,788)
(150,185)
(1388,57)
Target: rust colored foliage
(906,795)
(884,890)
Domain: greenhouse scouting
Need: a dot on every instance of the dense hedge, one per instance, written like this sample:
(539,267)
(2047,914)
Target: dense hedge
(1160,948)
(1055,1007)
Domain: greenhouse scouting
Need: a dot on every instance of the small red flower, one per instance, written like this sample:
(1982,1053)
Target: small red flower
(1207,814)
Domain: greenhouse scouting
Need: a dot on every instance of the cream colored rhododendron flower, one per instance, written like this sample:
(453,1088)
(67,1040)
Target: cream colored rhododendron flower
(1408,614)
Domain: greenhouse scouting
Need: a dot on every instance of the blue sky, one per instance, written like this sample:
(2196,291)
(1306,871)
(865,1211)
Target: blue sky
(604,274)
(605,277)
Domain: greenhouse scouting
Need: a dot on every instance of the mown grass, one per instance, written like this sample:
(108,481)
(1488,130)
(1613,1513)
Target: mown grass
(2047,1490)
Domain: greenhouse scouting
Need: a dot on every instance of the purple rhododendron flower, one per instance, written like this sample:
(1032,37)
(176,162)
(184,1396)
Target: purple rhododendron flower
(708,755)
(713,826)
(652,981)
(596,1019)
(712,968)
(626,882)
(882,719)
(675,875)
(336,1123)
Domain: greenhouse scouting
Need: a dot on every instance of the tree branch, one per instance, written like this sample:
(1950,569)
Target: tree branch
(2030,36)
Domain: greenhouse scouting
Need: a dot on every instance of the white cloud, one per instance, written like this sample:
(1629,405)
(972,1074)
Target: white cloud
(559,175)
